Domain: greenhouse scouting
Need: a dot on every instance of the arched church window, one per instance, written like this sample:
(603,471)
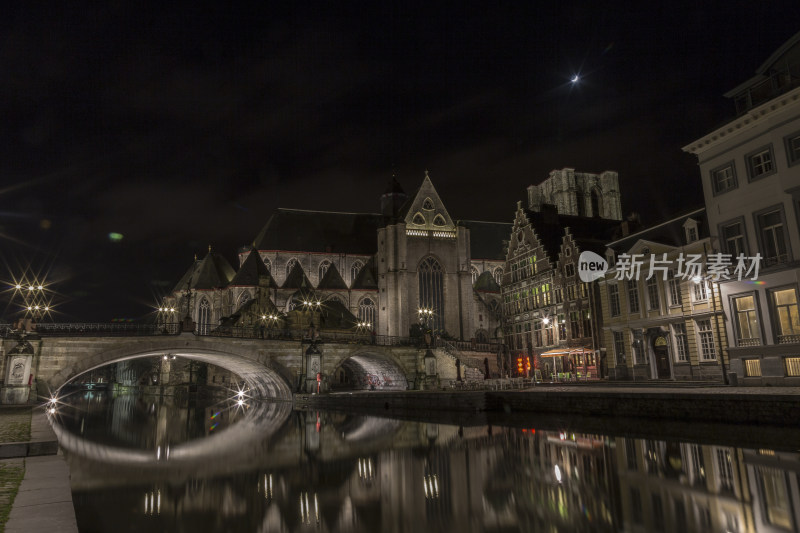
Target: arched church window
(431,292)
(427,204)
(290,265)
(498,275)
(438,220)
(418,219)
(243,299)
(323,268)
(581,201)
(204,317)
(267,263)
(354,270)
(475,275)
(597,203)
(366,312)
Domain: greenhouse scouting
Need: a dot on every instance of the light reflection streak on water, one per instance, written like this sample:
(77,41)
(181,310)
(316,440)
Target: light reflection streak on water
(518,479)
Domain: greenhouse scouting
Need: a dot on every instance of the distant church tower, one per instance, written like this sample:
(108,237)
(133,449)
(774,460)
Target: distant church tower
(579,194)
(392,199)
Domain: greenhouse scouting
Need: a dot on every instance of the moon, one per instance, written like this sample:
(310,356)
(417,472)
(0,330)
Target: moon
(575,78)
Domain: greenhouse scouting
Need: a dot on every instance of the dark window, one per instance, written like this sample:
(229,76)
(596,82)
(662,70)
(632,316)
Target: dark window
(613,299)
(733,237)
(793,148)
(723,179)
(760,163)
(772,233)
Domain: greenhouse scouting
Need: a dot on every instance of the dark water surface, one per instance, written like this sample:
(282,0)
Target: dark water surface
(144,463)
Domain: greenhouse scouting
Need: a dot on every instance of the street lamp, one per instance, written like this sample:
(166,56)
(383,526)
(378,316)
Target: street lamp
(33,298)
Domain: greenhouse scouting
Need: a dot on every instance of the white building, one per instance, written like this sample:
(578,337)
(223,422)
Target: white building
(750,169)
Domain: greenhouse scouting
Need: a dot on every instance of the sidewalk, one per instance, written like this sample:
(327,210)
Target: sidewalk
(44,499)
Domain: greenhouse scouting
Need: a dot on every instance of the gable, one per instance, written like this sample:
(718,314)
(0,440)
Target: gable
(426,211)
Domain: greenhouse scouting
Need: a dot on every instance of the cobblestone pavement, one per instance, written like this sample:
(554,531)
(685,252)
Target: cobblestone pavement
(15,424)
(11,473)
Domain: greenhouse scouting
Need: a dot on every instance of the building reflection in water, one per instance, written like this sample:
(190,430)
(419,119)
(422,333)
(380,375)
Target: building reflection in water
(344,473)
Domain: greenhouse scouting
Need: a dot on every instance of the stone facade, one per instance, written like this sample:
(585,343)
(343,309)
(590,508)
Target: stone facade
(373,265)
(750,168)
(578,194)
(660,328)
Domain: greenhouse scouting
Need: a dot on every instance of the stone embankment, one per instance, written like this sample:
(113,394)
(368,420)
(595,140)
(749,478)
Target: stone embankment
(769,406)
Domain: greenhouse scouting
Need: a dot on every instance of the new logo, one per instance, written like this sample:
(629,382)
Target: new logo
(591,266)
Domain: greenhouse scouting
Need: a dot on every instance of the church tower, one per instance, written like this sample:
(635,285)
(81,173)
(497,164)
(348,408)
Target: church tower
(423,263)
(579,194)
(393,199)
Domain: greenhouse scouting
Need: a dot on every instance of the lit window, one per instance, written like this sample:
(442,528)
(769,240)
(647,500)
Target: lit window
(785,313)
(792,366)
(744,308)
(752,368)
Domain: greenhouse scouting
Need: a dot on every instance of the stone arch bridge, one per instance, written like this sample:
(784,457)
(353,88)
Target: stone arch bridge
(271,368)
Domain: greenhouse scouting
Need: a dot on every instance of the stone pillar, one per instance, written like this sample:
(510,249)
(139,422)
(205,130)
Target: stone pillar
(17,377)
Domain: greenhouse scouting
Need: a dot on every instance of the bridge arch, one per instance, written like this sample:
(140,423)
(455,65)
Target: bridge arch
(370,370)
(262,376)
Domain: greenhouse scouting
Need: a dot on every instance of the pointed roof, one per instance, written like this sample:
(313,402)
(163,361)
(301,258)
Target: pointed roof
(252,269)
(366,280)
(332,280)
(211,272)
(426,211)
(185,281)
(296,279)
(486,283)
(394,187)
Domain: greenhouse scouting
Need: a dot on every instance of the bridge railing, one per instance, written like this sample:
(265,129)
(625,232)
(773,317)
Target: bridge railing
(99,329)
(124,329)
(347,337)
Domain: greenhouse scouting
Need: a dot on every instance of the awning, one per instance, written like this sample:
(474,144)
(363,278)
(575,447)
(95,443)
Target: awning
(554,353)
(578,351)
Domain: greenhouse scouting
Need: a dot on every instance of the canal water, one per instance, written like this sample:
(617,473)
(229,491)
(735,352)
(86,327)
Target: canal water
(170,463)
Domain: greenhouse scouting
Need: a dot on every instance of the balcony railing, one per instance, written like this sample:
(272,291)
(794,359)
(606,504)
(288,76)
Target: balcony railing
(749,342)
(788,339)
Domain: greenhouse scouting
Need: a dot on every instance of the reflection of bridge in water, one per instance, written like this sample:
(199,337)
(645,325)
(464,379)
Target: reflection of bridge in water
(352,473)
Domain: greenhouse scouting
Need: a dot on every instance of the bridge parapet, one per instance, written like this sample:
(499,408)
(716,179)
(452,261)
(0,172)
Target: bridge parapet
(126,329)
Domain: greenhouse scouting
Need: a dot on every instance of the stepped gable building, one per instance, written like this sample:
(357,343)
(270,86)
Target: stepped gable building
(549,314)
(750,168)
(665,325)
(378,270)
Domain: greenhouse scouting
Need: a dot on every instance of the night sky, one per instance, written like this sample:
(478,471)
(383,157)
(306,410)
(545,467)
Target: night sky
(181,127)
